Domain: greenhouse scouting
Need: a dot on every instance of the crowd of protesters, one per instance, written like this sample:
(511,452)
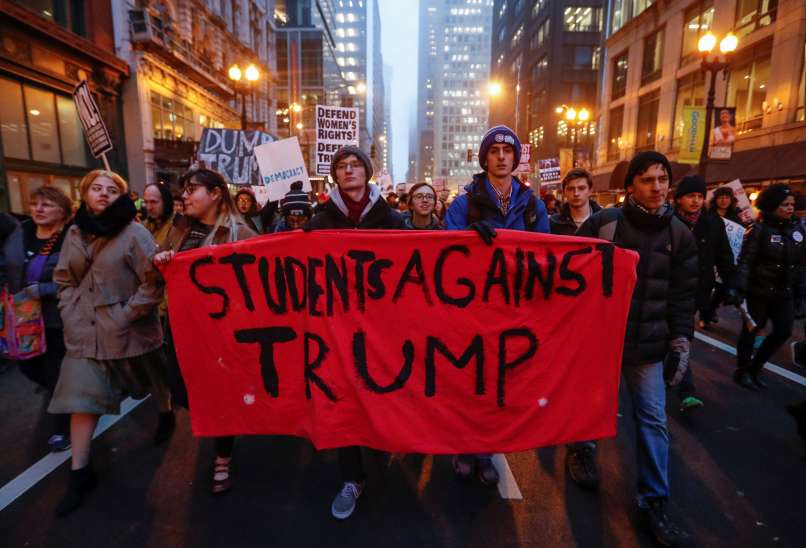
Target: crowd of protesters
(96,274)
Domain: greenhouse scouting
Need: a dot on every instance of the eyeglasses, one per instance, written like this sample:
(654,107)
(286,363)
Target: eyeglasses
(424,197)
(190,188)
(342,166)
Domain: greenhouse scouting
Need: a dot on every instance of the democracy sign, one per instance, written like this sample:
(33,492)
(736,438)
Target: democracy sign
(335,127)
(231,152)
(281,164)
(425,342)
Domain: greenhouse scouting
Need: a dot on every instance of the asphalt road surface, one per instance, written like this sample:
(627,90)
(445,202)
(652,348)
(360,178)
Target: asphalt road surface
(738,476)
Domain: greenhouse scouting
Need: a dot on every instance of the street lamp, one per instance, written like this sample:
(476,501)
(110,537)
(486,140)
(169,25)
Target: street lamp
(494,89)
(575,117)
(706,45)
(250,75)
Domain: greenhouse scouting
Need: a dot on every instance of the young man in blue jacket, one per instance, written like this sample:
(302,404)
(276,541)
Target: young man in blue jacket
(495,199)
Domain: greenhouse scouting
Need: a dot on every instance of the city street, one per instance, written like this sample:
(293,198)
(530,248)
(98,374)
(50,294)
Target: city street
(737,473)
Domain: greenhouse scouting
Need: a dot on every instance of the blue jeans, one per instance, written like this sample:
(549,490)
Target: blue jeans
(648,394)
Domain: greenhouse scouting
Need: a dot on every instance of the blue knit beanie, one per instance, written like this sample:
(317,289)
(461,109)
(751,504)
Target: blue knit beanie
(499,135)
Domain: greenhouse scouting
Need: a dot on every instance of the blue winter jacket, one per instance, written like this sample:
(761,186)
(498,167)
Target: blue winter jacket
(485,199)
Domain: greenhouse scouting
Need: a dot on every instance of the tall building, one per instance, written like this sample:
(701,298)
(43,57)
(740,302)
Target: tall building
(308,71)
(179,53)
(652,71)
(45,50)
(352,46)
(376,87)
(411,167)
(545,57)
(453,73)
(386,134)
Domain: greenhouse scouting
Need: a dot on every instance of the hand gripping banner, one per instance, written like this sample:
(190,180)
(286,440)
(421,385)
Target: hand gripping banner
(404,341)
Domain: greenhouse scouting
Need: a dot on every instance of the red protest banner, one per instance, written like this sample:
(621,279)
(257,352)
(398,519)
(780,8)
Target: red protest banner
(404,341)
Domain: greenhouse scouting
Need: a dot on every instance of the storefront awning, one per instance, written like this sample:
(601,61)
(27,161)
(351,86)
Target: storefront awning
(760,164)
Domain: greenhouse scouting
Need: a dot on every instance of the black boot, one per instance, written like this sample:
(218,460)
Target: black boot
(760,384)
(743,379)
(658,524)
(165,428)
(81,483)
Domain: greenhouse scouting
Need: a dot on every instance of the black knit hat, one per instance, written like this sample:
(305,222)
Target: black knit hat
(772,196)
(296,201)
(643,161)
(351,150)
(690,184)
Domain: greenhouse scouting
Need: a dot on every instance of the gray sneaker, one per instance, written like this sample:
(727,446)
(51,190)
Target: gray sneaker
(344,503)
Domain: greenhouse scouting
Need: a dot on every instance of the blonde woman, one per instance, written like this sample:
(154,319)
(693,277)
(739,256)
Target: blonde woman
(109,291)
(210,218)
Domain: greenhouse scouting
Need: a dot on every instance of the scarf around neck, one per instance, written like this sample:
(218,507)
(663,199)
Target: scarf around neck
(111,221)
(355,209)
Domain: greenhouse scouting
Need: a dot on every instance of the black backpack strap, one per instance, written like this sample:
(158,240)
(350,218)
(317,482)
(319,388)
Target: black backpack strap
(473,211)
(530,213)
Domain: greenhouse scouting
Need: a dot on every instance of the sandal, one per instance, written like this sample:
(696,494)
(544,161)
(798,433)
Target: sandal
(222,482)
(464,466)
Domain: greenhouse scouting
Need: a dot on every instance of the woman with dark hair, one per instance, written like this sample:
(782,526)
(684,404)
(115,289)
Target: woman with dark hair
(211,218)
(108,297)
(159,206)
(770,277)
(723,203)
(37,248)
(246,205)
(422,199)
(440,208)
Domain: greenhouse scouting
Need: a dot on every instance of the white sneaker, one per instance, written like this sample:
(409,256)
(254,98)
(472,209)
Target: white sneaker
(344,503)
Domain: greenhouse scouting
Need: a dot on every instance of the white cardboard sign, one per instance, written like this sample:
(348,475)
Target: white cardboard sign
(281,163)
(335,128)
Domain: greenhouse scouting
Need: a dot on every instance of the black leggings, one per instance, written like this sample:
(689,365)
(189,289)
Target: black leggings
(44,371)
(351,464)
(781,312)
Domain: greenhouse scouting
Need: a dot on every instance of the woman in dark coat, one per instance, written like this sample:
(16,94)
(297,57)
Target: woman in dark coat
(770,277)
(37,248)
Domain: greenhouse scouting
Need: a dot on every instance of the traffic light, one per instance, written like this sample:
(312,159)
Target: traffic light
(372,151)
(469,155)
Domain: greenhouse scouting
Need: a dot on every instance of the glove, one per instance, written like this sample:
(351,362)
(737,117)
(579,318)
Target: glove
(30,292)
(676,363)
(485,231)
(732,297)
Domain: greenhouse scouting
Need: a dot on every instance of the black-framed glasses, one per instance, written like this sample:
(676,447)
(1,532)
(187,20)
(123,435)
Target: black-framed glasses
(424,197)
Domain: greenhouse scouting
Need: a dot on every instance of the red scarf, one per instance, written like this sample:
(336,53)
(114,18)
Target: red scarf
(355,209)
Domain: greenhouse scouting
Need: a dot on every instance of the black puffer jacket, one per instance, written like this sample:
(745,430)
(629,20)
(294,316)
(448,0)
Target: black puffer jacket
(713,250)
(563,224)
(333,214)
(662,306)
(772,260)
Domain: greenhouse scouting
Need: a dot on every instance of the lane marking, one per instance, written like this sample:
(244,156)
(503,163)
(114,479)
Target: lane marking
(507,486)
(786,373)
(47,464)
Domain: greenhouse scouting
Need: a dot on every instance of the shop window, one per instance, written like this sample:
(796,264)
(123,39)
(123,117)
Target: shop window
(582,19)
(171,120)
(12,117)
(646,128)
(41,114)
(690,93)
(747,88)
(619,76)
(698,20)
(70,132)
(754,14)
(615,127)
(652,65)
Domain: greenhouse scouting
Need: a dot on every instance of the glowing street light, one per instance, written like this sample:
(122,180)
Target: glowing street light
(361,87)
(234,73)
(296,107)
(494,89)
(252,73)
(729,43)
(571,114)
(584,115)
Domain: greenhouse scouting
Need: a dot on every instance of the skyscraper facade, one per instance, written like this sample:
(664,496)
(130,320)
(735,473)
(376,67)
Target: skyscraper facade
(454,59)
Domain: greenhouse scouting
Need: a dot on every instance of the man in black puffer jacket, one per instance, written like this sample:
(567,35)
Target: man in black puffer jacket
(354,203)
(660,323)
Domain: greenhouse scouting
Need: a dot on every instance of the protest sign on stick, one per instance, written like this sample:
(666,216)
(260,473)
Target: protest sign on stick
(430,342)
(335,128)
(92,122)
(281,163)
